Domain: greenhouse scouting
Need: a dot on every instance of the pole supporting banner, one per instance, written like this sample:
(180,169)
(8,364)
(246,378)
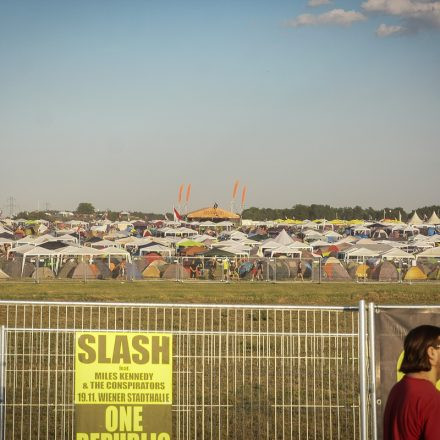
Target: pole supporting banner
(372,369)
(2,380)
(363,371)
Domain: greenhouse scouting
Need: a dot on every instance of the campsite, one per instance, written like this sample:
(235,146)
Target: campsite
(213,246)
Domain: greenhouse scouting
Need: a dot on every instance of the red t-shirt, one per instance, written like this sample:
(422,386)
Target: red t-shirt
(412,411)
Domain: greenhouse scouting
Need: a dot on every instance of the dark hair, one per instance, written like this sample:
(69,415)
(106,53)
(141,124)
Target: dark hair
(416,344)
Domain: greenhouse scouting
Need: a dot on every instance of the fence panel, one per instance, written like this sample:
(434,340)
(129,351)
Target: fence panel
(239,372)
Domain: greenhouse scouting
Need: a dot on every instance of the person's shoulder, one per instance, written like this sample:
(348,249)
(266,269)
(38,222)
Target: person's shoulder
(425,387)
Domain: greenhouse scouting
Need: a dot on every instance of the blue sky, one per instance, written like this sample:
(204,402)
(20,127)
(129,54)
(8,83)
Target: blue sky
(119,102)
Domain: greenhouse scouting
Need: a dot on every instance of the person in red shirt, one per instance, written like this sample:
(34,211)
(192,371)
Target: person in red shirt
(412,411)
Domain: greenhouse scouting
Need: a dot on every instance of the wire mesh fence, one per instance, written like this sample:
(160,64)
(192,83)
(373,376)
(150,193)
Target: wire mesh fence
(234,269)
(239,372)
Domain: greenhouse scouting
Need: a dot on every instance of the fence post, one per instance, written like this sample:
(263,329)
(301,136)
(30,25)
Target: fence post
(363,371)
(2,380)
(37,270)
(372,367)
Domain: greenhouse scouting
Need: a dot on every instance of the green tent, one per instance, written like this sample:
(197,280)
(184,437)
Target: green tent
(190,243)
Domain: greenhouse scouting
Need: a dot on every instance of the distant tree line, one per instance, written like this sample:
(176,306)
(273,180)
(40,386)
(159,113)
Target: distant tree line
(87,212)
(302,212)
(299,212)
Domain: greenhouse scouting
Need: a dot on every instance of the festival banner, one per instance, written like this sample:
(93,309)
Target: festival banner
(391,327)
(123,386)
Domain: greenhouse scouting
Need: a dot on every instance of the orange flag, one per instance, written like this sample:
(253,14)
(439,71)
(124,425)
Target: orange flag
(234,191)
(188,193)
(243,195)
(180,192)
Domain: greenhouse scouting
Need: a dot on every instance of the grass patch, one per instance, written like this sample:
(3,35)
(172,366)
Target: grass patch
(340,294)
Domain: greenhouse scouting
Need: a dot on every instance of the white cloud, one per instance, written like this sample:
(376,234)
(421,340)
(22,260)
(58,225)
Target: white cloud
(415,14)
(314,3)
(338,17)
(385,31)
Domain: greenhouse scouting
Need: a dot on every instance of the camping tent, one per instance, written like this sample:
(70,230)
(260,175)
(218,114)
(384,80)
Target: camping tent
(433,220)
(283,238)
(362,271)
(67,269)
(157,248)
(151,272)
(415,219)
(386,271)
(415,274)
(43,273)
(334,271)
(83,271)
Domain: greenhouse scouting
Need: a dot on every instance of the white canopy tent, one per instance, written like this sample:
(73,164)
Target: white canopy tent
(207,224)
(237,235)
(429,253)
(225,224)
(4,241)
(19,249)
(332,234)
(102,244)
(309,224)
(180,232)
(29,239)
(397,254)
(38,252)
(87,251)
(114,251)
(319,243)
(361,230)
(159,249)
(239,251)
(287,251)
(300,245)
(67,238)
(361,254)
(75,251)
(267,245)
(6,231)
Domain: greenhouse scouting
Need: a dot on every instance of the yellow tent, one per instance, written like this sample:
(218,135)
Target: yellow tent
(362,271)
(151,272)
(414,274)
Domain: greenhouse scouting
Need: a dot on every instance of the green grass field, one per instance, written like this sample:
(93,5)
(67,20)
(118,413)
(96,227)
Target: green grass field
(225,293)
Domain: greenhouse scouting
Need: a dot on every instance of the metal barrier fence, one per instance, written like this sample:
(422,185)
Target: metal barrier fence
(239,372)
(222,269)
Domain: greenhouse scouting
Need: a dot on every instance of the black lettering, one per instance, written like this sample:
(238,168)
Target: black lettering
(157,349)
(102,350)
(89,356)
(121,350)
(138,344)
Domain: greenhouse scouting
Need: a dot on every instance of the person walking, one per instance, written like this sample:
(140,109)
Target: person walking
(299,271)
(412,411)
(226,269)
(259,270)
(212,266)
